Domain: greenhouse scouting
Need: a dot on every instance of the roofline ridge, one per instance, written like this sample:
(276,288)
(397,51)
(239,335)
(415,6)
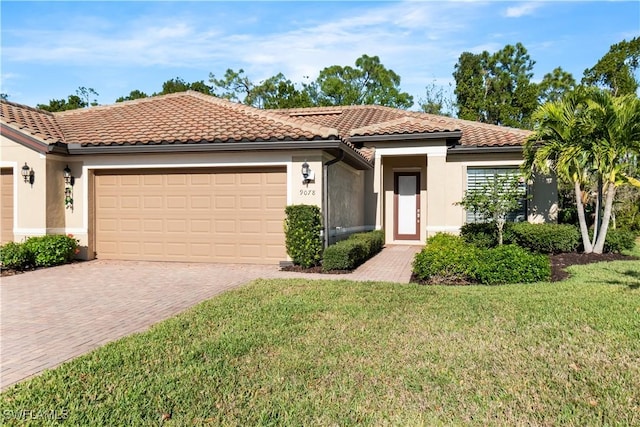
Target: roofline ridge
(27,107)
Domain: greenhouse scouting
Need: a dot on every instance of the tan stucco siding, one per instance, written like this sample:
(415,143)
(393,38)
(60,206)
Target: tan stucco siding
(306,193)
(30,204)
(346,200)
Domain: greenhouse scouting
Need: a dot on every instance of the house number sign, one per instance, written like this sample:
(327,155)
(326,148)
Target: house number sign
(307,192)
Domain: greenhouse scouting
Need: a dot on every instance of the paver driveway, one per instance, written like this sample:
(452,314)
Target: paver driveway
(52,315)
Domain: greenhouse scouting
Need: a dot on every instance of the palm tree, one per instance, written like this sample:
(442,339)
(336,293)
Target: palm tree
(588,132)
(558,145)
(617,139)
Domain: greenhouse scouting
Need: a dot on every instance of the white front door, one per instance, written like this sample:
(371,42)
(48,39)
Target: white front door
(407,206)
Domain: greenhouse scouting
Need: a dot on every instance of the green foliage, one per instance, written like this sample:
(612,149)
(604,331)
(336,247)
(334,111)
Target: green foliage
(16,256)
(134,94)
(615,70)
(446,259)
(81,99)
(495,200)
(370,82)
(485,234)
(511,264)
(350,253)
(302,229)
(554,85)
(546,238)
(496,88)
(179,85)
(619,240)
(50,250)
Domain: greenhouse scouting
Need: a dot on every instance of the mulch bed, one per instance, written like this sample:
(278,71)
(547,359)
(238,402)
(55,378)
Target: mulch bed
(560,262)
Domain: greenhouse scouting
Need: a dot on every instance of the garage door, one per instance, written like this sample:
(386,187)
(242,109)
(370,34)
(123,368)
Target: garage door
(6,206)
(214,215)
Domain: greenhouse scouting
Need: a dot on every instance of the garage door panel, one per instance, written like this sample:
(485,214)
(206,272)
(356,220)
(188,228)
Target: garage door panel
(6,205)
(220,215)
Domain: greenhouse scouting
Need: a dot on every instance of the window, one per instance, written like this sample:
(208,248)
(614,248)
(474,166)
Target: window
(477,177)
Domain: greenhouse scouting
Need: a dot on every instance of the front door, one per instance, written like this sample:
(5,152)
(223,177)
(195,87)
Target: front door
(406,206)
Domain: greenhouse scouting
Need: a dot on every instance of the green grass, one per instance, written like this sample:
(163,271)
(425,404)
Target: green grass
(303,352)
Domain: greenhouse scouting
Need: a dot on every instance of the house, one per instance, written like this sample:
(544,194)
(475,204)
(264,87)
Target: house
(191,177)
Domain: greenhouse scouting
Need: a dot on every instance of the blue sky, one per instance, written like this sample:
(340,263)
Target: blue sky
(49,49)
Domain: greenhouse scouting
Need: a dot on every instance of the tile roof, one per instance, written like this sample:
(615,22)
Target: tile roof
(192,117)
(368,120)
(39,124)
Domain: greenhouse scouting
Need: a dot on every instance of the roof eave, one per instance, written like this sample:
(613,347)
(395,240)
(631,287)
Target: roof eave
(33,143)
(475,149)
(405,136)
(352,157)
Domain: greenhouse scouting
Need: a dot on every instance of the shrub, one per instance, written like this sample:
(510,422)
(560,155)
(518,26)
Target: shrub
(350,253)
(485,234)
(511,264)
(302,229)
(16,256)
(446,259)
(546,238)
(52,249)
(619,240)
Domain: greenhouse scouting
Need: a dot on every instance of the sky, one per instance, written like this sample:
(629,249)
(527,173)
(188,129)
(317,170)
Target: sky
(49,49)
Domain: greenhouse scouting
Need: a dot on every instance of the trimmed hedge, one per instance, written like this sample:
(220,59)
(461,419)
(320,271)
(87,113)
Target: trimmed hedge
(485,234)
(511,264)
(41,251)
(17,256)
(546,238)
(302,229)
(619,240)
(350,253)
(448,259)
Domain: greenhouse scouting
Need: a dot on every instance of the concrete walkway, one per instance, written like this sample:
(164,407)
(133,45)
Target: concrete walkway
(52,315)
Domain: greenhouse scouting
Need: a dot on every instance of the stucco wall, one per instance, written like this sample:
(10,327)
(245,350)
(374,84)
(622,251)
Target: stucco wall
(29,200)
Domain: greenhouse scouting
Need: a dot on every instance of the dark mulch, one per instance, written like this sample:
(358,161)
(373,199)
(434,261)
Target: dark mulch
(316,269)
(560,262)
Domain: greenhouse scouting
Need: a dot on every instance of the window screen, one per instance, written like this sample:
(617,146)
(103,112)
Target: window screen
(477,177)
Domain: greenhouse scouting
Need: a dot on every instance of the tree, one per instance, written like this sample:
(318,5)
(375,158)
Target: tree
(436,101)
(554,85)
(81,99)
(587,135)
(495,200)
(615,70)
(496,88)
(370,82)
(4,96)
(134,94)
(179,85)
(275,92)
(616,138)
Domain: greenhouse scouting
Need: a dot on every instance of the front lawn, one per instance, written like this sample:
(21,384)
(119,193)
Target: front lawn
(303,352)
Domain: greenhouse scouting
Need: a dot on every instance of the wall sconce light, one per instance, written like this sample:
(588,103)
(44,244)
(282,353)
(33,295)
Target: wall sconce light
(69,181)
(27,174)
(307,173)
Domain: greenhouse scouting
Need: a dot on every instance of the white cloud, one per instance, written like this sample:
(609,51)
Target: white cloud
(522,9)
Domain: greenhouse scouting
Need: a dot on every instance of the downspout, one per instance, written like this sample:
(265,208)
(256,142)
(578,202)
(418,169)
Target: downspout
(325,195)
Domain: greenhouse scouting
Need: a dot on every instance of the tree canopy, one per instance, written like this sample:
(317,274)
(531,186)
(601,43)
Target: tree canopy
(81,99)
(615,71)
(496,88)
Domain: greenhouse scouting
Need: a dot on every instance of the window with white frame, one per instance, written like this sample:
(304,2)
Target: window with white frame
(477,177)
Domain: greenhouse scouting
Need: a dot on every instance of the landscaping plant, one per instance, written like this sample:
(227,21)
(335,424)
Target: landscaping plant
(302,229)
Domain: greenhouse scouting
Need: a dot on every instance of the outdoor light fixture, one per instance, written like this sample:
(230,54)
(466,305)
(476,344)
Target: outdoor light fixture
(69,181)
(307,173)
(27,174)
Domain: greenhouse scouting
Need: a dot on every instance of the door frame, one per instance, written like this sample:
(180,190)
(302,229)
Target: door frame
(396,235)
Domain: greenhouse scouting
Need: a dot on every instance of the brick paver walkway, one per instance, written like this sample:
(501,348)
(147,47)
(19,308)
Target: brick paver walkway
(53,315)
